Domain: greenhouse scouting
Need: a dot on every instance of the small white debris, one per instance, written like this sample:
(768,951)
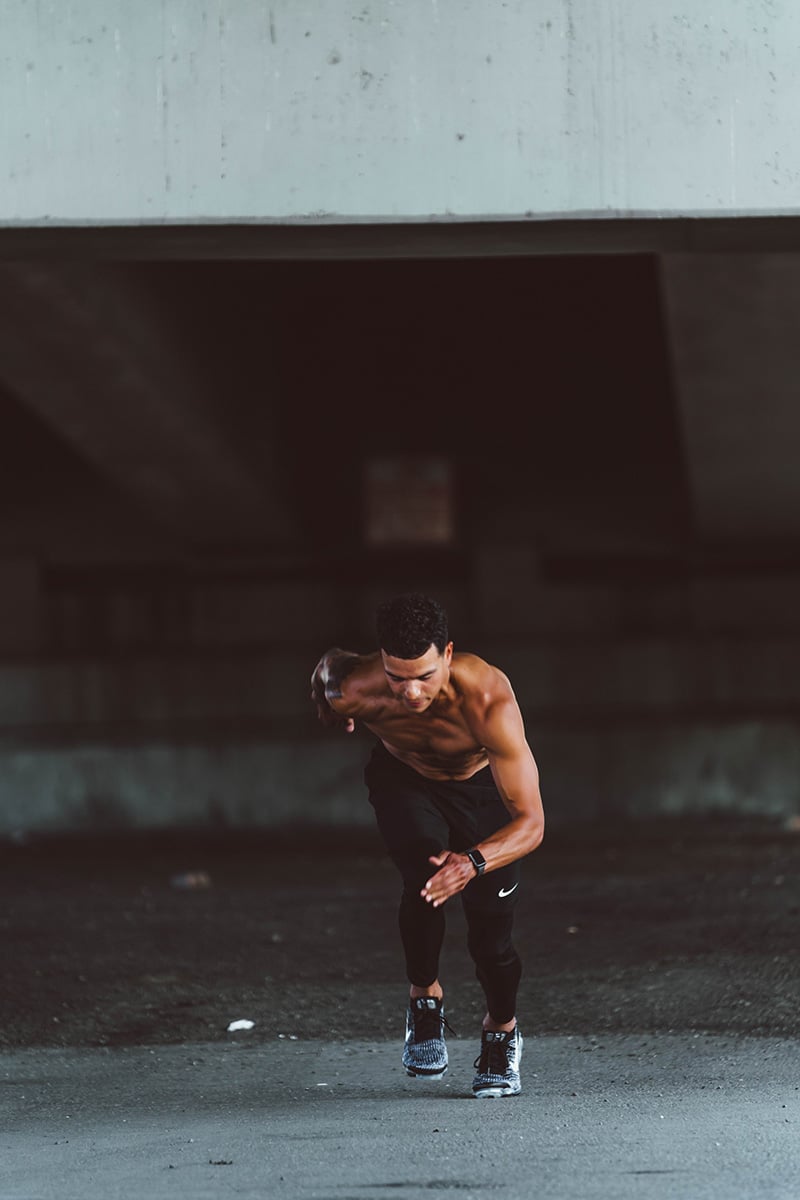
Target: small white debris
(234,1025)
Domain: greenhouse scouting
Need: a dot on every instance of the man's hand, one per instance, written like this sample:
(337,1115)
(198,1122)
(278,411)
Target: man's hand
(319,694)
(328,716)
(331,719)
(455,872)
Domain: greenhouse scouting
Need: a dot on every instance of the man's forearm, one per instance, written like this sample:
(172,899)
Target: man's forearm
(516,839)
(522,835)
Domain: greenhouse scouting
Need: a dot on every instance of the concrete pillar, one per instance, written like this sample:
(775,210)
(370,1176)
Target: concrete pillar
(734,330)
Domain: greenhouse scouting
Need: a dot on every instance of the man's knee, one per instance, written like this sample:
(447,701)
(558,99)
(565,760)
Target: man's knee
(489,939)
(414,908)
(415,867)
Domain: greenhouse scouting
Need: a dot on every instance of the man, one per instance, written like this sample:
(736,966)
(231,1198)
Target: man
(455,787)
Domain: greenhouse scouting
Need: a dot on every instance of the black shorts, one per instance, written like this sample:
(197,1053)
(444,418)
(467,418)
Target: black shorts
(418,817)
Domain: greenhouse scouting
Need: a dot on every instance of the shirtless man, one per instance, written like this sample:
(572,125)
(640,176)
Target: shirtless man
(455,787)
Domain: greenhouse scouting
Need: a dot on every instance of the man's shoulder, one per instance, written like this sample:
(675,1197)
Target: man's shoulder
(489,704)
(474,674)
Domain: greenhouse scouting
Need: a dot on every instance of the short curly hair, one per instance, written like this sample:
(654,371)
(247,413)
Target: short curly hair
(409,625)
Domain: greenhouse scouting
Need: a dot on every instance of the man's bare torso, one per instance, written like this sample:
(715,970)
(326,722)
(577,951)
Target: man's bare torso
(440,742)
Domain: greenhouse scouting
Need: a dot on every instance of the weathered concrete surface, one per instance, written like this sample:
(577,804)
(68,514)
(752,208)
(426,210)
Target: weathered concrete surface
(627,768)
(206,112)
(641,726)
(706,1117)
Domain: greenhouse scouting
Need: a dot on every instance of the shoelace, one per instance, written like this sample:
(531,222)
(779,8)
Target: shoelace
(428,1024)
(493,1059)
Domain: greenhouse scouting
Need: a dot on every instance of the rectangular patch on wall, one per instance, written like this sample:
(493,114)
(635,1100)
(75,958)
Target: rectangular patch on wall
(409,502)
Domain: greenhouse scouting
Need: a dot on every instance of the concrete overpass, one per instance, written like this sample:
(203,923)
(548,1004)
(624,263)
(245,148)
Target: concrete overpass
(246,250)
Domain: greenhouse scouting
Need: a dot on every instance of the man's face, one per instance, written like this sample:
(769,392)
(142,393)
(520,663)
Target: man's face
(418,681)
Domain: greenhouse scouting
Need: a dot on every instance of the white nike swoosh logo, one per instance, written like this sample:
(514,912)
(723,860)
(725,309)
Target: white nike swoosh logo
(507,891)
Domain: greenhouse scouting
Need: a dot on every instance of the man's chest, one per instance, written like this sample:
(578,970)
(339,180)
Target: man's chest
(425,734)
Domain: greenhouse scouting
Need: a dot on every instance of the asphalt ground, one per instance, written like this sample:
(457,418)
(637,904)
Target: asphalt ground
(701,1118)
(659,1007)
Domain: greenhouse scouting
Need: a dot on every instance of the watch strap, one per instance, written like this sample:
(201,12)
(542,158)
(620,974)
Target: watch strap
(477,860)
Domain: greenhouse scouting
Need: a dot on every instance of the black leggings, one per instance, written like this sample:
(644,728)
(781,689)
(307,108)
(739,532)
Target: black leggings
(418,817)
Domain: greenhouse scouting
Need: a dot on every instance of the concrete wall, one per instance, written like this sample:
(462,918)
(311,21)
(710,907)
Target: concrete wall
(298,110)
(702,718)
(628,771)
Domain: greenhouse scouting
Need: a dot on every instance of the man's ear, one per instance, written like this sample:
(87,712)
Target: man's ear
(448,653)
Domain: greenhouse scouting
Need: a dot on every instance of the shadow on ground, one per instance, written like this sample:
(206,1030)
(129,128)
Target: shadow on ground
(663,926)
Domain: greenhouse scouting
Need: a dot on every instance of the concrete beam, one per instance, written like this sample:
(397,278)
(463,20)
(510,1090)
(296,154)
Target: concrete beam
(176,112)
(84,350)
(732,326)
(330,239)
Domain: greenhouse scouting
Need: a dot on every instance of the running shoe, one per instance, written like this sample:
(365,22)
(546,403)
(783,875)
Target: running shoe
(425,1052)
(498,1064)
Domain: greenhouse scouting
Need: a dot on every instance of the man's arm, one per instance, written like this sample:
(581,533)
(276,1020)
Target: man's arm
(326,686)
(517,778)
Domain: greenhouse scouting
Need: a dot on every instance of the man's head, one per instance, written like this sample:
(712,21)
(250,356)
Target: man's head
(409,625)
(415,648)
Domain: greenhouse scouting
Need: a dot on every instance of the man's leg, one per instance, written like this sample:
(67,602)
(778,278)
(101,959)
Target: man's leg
(489,908)
(489,903)
(475,810)
(422,926)
(413,830)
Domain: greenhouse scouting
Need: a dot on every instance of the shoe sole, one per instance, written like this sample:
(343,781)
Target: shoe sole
(495,1093)
(425,1074)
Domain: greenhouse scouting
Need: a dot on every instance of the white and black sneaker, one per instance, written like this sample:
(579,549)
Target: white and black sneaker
(498,1064)
(425,1051)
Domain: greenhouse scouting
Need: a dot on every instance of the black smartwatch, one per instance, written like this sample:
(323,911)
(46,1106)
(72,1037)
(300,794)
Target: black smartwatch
(477,860)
